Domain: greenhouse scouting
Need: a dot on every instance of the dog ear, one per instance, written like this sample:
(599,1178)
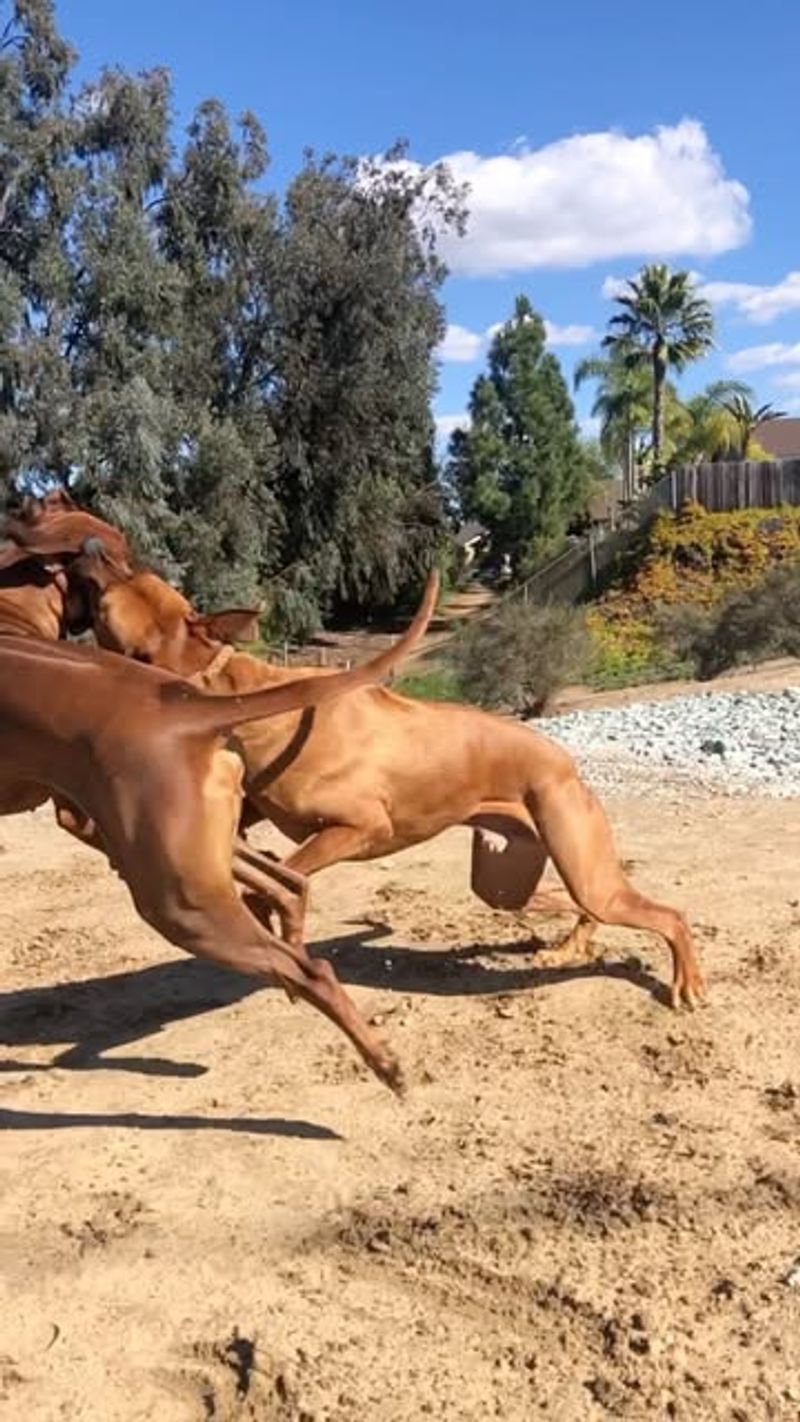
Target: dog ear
(235,624)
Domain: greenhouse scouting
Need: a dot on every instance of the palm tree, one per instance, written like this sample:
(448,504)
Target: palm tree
(663,324)
(621,405)
(747,419)
(704,427)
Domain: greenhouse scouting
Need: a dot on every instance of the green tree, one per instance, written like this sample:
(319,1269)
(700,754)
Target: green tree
(36,193)
(242,383)
(663,325)
(120,335)
(747,417)
(621,404)
(358,321)
(220,236)
(520,467)
(703,426)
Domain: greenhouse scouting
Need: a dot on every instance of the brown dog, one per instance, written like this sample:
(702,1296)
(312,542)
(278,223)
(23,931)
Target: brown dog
(142,756)
(366,776)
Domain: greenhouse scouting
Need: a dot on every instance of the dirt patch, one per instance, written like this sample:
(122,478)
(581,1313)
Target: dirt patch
(589,1207)
(768,676)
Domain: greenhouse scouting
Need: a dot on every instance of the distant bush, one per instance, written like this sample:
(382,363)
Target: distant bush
(518,658)
(684,631)
(629,651)
(750,625)
(689,601)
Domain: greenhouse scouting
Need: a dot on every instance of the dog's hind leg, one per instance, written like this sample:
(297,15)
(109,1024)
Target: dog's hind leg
(575,829)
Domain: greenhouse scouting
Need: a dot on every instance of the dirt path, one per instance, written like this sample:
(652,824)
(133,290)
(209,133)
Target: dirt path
(586,1209)
(769,676)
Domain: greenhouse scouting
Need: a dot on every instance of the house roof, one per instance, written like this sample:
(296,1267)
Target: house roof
(780,438)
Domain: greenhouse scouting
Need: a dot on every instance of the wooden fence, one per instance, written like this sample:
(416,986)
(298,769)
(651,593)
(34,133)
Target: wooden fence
(747,484)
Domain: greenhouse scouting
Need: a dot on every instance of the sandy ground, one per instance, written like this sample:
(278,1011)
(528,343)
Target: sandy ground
(588,1207)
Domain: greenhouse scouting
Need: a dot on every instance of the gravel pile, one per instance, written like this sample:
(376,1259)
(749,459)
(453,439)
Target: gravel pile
(740,742)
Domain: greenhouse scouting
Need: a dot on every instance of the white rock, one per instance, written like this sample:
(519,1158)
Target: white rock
(759,730)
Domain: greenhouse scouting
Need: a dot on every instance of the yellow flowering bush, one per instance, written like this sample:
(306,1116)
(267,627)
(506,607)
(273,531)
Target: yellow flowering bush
(695,559)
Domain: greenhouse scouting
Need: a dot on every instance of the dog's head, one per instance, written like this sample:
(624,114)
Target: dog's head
(53,529)
(144,617)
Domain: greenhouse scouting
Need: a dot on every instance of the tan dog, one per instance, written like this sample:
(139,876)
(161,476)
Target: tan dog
(365,776)
(140,756)
(35,598)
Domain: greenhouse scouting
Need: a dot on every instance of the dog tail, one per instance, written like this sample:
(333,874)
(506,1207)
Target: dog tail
(221,713)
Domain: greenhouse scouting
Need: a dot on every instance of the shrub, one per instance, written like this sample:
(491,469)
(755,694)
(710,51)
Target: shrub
(754,625)
(699,557)
(685,631)
(520,656)
(749,625)
(663,615)
(622,650)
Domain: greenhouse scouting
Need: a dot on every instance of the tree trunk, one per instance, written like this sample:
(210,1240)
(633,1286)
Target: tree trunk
(659,374)
(630,461)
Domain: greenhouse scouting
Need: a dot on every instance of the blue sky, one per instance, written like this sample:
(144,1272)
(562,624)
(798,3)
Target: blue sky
(595,136)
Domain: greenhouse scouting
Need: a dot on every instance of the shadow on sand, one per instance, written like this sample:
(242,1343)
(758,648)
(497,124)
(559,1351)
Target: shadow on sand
(100,1014)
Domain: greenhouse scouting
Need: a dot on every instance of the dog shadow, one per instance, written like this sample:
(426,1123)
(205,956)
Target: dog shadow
(464,971)
(103,1014)
(99,1014)
(11,1120)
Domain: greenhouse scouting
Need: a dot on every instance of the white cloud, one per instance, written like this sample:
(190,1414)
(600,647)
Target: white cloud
(555,335)
(596,196)
(762,357)
(590,427)
(789,381)
(569,335)
(758,304)
(448,424)
(460,345)
(613,287)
